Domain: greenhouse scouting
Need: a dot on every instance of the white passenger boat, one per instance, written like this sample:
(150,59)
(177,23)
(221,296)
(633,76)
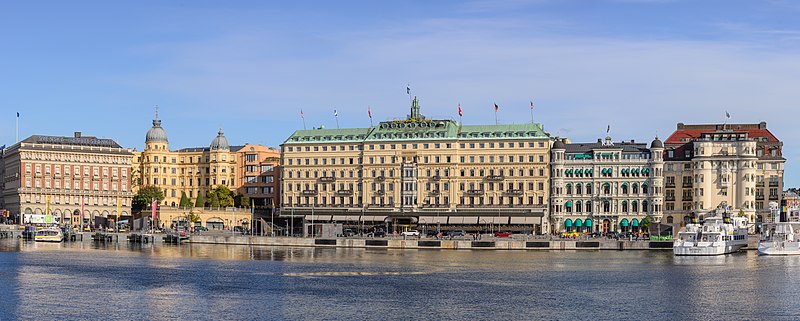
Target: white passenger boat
(717,235)
(50,234)
(781,238)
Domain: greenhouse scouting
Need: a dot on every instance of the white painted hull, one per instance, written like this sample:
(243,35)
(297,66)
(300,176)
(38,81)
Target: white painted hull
(55,239)
(705,249)
(778,248)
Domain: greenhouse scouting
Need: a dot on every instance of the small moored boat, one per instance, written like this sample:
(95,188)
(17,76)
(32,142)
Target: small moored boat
(51,234)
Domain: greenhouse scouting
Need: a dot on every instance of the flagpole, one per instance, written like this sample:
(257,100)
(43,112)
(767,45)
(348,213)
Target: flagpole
(17,127)
(336,115)
(303,116)
(531,112)
(495,117)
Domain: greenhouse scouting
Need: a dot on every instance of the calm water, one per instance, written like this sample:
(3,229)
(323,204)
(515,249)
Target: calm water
(197,282)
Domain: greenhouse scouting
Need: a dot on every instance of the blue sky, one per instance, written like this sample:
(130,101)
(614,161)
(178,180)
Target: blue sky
(639,65)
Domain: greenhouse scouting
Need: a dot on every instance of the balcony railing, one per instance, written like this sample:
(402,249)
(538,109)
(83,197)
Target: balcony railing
(669,185)
(687,197)
(773,184)
(759,197)
(380,178)
(495,178)
(474,192)
(309,192)
(759,184)
(773,197)
(435,178)
(514,192)
(687,185)
(669,198)
(344,192)
(327,179)
(380,192)
(434,192)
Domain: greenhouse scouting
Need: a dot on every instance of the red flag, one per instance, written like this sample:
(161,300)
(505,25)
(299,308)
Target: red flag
(496,107)
(303,116)
(369,112)
(531,104)
(459,110)
(154,205)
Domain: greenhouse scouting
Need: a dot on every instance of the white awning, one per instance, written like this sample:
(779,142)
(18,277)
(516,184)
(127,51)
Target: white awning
(526,220)
(456,220)
(344,218)
(432,220)
(470,220)
(493,220)
(370,218)
(321,218)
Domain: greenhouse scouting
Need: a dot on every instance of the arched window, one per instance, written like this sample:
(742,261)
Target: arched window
(645,207)
(606,188)
(635,206)
(624,206)
(578,207)
(644,188)
(569,189)
(589,188)
(578,189)
(606,206)
(669,219)
(635,188)
(568,206)
(625,188)
(589,206)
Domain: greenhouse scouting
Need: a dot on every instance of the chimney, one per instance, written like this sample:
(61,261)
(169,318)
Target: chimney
(77,134)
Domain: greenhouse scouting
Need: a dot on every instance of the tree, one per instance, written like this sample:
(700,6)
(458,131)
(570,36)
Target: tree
(185,201)
(146,195)
(224,196)
(241,200)
(193,218)
(645,224)
(200,201)
(214,199)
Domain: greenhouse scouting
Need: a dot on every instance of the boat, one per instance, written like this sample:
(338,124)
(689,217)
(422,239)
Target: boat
(781,238)
(50,234)
(717,235)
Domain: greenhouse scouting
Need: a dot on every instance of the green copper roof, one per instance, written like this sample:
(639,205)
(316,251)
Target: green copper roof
(418,128)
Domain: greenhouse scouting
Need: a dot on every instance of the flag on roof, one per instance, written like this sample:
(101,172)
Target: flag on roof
(496,107)
(459,110)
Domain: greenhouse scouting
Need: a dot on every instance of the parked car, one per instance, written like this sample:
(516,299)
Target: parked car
(502,234)
(378,233)
(348,232)
(410,233)
(456,233)
(199,228)
(431,233)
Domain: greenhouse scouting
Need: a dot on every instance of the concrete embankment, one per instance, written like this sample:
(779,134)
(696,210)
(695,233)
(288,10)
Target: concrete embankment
(491,244)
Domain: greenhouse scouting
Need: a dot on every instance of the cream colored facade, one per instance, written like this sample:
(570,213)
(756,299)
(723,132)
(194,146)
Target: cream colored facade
(606,186)
(67,177)
(734,166)
(191,170)
(419,171)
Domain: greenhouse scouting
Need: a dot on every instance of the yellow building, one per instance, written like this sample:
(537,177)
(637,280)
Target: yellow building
(190,170)
(420,172)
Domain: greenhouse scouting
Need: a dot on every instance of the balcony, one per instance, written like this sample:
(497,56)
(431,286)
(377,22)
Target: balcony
(380,179)
(494,178)
(759,197)
(669,185)
(773,184)
(380,192)
(344,192)
(669,198)
(474,192)
(773,197)
(759,184)
(687,185)
(309,192)
(514,192)
(434,192)
(327,179)
(687,198)
(436,178)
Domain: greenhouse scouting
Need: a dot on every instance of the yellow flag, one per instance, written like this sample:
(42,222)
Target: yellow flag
(119,209)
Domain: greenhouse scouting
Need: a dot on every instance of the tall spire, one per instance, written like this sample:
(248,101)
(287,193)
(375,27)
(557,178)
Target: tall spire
(415,114)
(156,121)
(156,111)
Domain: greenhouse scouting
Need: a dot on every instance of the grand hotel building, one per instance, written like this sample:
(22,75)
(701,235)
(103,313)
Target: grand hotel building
(66,177)
(737,167)
(419,171)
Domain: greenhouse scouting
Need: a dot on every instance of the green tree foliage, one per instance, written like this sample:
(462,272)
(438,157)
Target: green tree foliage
(146,195)
(185,201)
(241,200)
(200,201)
(214,199)
(645,223)
(224,196)
(194,218)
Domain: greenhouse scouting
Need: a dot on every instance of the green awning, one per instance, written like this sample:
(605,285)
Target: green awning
(635,222)
(568,223)
(588,222)
(569,203)
(624,222)
(578,223)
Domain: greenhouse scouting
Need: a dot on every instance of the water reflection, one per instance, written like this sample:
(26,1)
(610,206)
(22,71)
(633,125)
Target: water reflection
(86,280)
